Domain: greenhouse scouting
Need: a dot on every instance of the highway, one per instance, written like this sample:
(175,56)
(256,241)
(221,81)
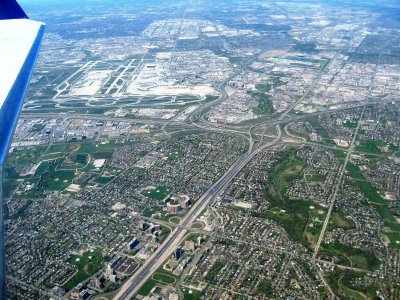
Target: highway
(132,286)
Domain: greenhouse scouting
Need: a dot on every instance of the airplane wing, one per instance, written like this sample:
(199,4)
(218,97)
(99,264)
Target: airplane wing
(19,45)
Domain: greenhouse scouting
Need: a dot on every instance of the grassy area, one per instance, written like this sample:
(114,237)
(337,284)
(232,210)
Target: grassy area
(10,173)
(373,196)
(349,124)
(343,284)
(265,105)
(59,180)
(103,155)
(164,278)
(103,180)
(198,225)
(315,177)
(27,156)
(191,294)
(48,178)
(96,147)
(50,156)
(160,275)
(175,220)
(74,162)
(338,220)
(288,169)
(320,130)
(87,264)
(194,236)
(352,294)
(157,193)
(356,257)
(80,158)
(301,219)
(373,146)
(147,287)
(149,211)
(175,155)
(394,238)
(63,148)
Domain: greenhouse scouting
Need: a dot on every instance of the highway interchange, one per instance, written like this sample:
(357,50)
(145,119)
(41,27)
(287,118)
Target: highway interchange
(256,144)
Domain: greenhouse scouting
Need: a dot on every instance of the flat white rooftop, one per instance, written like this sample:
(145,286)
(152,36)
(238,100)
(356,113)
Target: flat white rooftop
(16,40)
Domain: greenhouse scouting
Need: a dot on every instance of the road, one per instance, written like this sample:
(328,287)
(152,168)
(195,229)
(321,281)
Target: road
(132,286)
(348,156)
(337,187)
(90,117)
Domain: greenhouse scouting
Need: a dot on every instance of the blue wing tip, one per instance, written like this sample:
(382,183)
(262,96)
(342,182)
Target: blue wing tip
(10,9)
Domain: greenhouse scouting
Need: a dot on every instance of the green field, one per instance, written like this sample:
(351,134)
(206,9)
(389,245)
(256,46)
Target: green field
(301,219)
(80,158)
(198,225)
(338,220)
(353,257)
(158,193)
(47,177)
(175,220)
(55,155)
(193,237)
(321,131)
(96,147)
(63,148)
(103,180)
(343,284)
(373,196)
(87,264)
(160,276)
(147,287)
(288,169)
(394,238)
(349,124)
(10,173)
(148,211)
(75,161)
(27,156)
(372,146)
(265,105)
(175,155)
(167,279)
(315,177)
(191,294)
